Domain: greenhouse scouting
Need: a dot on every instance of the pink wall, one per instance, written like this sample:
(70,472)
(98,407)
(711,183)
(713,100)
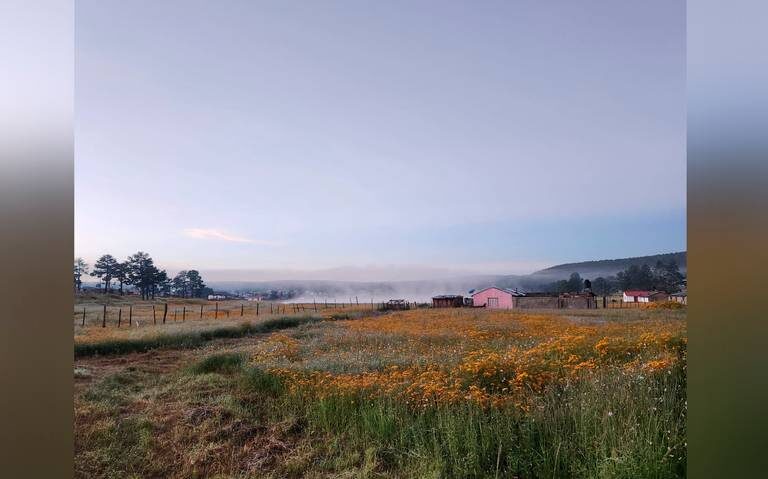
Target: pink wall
(505,299)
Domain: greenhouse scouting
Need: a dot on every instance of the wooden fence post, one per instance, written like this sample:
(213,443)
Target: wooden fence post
(241,309)
(165,311)
(257,308)
(119,316)
(130,315)
(184,313)
(104,318)
(175,311)
(154,316)
(83,316)
(216,314)
(227,313)
(270,308)
(201,311)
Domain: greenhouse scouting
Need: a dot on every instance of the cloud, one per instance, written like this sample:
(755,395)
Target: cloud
(213,234)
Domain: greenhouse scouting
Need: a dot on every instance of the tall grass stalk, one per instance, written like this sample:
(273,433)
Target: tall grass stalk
(606,426)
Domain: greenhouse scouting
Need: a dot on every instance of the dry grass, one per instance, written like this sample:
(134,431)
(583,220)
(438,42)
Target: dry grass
(144,324)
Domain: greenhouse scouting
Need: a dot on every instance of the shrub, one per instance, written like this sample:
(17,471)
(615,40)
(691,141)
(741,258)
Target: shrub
(219,363)
(255,380)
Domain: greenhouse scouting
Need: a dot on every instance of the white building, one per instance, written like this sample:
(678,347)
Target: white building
(643,296)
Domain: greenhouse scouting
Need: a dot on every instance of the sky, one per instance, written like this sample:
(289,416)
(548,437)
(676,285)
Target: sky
(379,140)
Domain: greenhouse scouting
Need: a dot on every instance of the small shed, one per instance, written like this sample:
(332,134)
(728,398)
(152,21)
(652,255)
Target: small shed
(635,296)
(448,301)
(495,298)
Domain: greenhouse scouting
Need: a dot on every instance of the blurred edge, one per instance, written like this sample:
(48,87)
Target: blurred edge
(36,237)
(727,161)
(727,200)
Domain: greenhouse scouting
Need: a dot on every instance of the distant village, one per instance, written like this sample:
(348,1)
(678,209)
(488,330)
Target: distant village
(502,298)
(636,285)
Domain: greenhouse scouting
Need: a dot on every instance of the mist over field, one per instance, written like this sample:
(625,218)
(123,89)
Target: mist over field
(346,291)
(308,290)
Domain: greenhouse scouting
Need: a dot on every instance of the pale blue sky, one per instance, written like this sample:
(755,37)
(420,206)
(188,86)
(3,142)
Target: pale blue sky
(293,136)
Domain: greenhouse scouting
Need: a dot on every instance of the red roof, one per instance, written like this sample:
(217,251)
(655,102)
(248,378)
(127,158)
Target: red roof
(637,293)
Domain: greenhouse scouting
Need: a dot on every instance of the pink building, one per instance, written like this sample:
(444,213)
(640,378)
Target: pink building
(495,298)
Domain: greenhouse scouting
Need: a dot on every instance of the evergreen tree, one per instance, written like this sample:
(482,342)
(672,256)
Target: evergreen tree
(105,269)
(142,273)
(121,275)
(195,283)
(80,268)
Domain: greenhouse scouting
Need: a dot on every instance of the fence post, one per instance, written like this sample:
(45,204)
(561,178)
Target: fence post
(257,308)
(216,314)
(165,311)
(130,315)
(201,311)
(104,318)
(83,316)
(154,316)
(184,313)
(227,313)
(270,308)
(241,309)
(175,312)
(119,316)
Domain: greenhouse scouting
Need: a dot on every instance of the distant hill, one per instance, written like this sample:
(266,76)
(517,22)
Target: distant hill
(607,267)
(423,290)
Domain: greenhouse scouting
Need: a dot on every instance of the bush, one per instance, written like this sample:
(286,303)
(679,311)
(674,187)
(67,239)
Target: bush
(219,363)
(255,380)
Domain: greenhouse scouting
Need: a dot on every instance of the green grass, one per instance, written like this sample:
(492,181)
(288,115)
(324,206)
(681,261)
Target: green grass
(188,340)
(224,363)
(608,426)
(612,427)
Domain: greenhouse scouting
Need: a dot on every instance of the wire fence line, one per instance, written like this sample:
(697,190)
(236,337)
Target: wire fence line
(103,314)
(164,312)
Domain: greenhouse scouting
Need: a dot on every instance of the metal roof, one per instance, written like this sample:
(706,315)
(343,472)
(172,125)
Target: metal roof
(513,292)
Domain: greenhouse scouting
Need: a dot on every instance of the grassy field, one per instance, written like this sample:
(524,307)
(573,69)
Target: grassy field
(421,393)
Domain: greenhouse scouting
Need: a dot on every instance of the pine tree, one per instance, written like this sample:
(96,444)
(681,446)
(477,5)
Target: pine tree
(105,269)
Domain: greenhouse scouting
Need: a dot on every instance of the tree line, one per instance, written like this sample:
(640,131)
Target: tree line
(139,271)
(661,277)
